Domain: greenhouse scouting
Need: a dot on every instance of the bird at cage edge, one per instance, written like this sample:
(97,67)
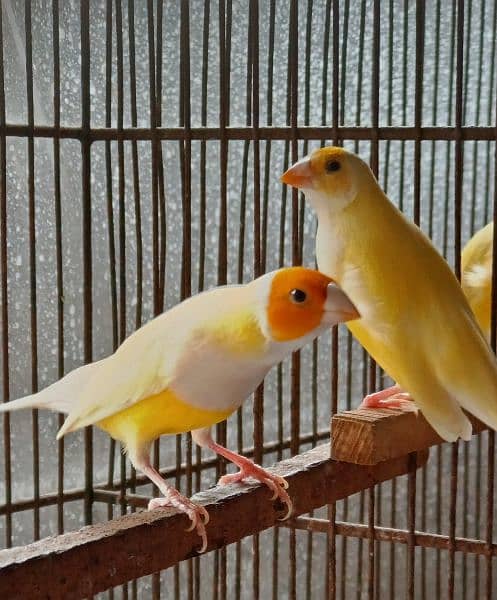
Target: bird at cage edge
(476,275)
(194,365)
(415,320)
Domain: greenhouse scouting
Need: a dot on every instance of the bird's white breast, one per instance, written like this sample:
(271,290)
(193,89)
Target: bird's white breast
(212,378)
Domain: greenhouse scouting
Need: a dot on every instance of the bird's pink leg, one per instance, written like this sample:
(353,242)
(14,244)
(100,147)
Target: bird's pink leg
(391,397)
(196,513)
(278,485)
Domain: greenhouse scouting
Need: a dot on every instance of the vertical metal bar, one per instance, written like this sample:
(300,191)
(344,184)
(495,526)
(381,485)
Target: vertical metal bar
(160,165)
(155,143)
(202,229)
(203,148)
(87,243)
(375,109)
(269,121)
(254,18)
(222,267)
(332,567)
(307,109)
(267,166)
(434,119)
(135,163)
(457,260)
(240,266)
(5,301)
(493,321)
(345,504)
(418,105)
(295,367)
(137,201)
(433,154)
(358,113)
(258,409)
(154,150)
(186,262)
(411,521)
(418,112)
(58,251)
(326,47)
(467,490)
(459,160)
(479,82)
(223,121)
(438,580)
(490,110)
(491,457)
(120,166)
(279,389)
(379,499)
(493,342)
(110,226)
(122,223)
(32,264)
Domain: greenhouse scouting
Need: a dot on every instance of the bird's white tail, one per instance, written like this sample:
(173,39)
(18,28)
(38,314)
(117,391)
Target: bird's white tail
(58,397)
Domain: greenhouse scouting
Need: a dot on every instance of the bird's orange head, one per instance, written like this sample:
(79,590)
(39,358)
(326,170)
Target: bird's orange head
(299,301)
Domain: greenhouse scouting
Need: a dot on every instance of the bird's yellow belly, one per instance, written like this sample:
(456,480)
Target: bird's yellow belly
(157,415)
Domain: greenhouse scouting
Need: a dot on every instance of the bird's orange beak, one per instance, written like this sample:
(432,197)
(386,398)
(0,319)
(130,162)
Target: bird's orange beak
(299,175)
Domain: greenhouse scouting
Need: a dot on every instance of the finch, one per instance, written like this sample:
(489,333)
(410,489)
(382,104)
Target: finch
(193,366)
(415,320)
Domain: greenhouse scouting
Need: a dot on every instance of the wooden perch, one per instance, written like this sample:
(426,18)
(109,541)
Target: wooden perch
(98,557)
(369,436)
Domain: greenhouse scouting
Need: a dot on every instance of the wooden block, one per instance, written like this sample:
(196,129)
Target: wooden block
(369,436)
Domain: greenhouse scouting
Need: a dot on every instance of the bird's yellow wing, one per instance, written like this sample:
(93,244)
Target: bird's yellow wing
(125,378)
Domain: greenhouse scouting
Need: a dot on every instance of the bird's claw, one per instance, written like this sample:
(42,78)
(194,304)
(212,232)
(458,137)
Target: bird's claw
(278,485)
(197,514)
(396,400)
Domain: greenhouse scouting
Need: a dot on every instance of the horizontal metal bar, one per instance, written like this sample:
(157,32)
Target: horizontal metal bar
(247,133)
(112,495)
(98,557)
(400,536)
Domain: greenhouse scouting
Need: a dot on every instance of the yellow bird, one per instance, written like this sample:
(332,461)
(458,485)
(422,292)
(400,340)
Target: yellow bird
(415,321)
(476,279)
(194,365)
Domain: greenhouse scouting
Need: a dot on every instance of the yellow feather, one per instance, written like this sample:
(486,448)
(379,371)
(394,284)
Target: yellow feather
(238,333)
(158,415)
(476,265)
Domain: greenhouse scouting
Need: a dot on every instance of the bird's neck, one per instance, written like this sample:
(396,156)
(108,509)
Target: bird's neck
(359,224)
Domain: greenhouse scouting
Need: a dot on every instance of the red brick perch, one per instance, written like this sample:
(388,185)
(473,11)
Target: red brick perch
(369,436)
(98,557)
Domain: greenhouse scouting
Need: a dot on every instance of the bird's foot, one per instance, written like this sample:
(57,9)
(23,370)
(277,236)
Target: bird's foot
(196,513)
(392,397)
(278,485)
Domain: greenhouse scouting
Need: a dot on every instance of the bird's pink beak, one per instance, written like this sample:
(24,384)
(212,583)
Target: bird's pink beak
(299,175)
(338,307)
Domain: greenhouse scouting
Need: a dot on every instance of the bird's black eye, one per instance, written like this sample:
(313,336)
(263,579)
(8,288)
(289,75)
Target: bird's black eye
(332,166)
(298,296)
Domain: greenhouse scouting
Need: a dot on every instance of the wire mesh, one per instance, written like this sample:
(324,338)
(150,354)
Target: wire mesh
(141,145)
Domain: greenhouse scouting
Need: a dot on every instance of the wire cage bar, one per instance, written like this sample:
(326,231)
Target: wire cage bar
(141,145)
